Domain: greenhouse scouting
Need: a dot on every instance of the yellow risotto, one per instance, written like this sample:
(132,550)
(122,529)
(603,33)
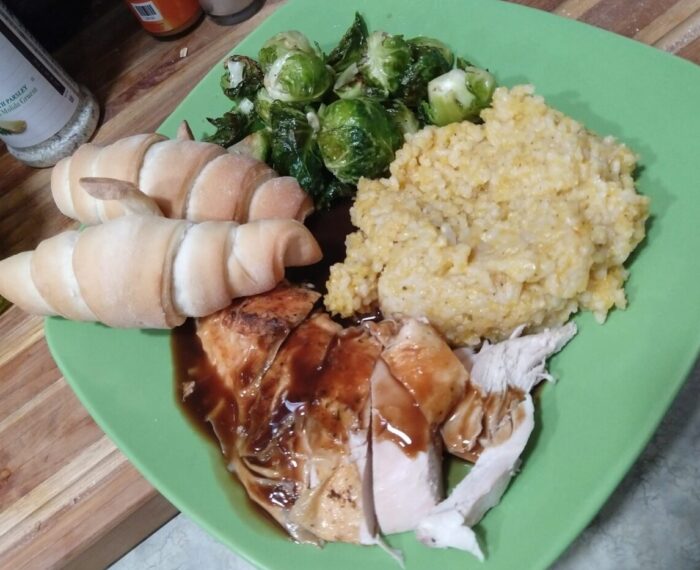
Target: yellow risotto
(482,228)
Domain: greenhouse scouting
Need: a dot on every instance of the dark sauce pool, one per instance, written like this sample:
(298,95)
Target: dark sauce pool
(191,365)
(329,227)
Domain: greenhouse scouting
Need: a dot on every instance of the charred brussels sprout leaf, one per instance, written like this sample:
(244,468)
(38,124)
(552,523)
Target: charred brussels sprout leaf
(462,63)
(298,77)
(242,78)
(281,44)
(334,190)
(351,46)
(385,61)
(403,117)
(295,150)
(233,125)
(358,138)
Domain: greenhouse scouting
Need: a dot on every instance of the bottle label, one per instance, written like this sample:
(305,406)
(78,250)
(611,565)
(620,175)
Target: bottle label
(37,99)
(163,17)
(147,11)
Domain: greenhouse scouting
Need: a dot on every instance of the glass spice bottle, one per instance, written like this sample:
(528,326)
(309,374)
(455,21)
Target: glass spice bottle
(44,114)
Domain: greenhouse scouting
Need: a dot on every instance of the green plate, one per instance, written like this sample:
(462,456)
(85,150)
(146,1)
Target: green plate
(616,380)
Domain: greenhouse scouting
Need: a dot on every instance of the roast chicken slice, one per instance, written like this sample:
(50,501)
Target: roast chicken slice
(271,453)
(242,340)
(417,381)
(337,505)
(406,456)
(299,389)
(423,362)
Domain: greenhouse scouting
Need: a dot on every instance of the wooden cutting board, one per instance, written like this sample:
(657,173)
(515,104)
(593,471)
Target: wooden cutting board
(68,497)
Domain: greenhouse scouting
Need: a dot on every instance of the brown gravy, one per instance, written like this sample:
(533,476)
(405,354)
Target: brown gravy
(191,364)
(396,416)
(330,228)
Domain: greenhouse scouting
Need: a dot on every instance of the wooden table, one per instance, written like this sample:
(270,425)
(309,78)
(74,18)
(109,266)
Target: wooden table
(68,497)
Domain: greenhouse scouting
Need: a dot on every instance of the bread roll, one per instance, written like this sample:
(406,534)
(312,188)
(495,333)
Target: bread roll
(187,179)
(151,272)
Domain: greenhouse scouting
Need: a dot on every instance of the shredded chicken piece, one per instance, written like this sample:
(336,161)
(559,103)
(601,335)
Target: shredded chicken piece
(518,363)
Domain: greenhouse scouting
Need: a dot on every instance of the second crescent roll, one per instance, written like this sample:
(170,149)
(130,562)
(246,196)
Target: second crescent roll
(182,178)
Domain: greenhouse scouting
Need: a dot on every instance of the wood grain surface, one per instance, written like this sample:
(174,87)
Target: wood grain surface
(68,497)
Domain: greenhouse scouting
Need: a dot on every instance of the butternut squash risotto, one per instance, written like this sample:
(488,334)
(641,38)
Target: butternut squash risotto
(521,220)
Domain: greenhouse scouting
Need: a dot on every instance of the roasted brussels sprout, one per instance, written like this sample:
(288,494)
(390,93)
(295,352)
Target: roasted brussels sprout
(481,83)
(403,117)
(242,78)
(351,84)
(256,144)
(351,46)
(330,119)
(295,149)
(295,152)
(262,105)
(423,44)
(457,96)
(385,61)
(298,77)
(358,138)
(430,59)
(282,43)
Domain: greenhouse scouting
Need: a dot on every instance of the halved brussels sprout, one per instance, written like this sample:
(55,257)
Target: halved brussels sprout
(457,96)
(403,117)
(428,63)
(282,43)
(242,78)
(358,138)
(298,77)
(423,44)
(351,46)
(262,105)
(385,61)
(481,83)
(351,84)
